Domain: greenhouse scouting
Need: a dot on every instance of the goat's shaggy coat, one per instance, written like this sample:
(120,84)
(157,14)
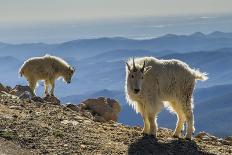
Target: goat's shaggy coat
(151,82)
(47,68)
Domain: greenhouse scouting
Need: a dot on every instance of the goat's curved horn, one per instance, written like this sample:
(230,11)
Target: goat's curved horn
(144,63)
(134,63)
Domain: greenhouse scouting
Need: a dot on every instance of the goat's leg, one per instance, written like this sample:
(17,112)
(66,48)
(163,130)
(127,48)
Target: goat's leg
(190,124)
(32,85)
(153,125)
(180,119)
(146,126)
(46,85)
(153,119)
(52,82)
(179,125)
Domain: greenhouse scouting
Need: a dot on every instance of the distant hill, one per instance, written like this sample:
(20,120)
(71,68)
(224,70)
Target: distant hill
(84,48)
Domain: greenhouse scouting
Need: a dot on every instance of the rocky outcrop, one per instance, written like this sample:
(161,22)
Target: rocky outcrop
(51,99)
(20,90)
(105,109)
(59,129)
(4,89)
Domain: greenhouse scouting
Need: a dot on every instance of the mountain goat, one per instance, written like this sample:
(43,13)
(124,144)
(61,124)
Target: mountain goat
(47,68)
(150,82)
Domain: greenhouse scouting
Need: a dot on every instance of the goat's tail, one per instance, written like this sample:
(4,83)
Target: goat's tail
(200,76)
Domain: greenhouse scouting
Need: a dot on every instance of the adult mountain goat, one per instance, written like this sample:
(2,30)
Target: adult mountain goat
(150,82)
(47,68)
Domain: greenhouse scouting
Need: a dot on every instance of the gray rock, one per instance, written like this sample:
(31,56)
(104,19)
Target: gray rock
(25,95)
(73,107)
(37,99)
(19,90)
(229,138)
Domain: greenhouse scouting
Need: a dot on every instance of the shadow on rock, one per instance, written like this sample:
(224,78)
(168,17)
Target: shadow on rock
(149,145)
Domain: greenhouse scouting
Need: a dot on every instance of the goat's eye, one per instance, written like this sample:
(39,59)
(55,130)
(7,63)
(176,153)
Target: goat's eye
(132,76)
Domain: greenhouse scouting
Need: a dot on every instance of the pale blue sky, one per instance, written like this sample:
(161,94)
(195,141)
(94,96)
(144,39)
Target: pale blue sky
(61,10)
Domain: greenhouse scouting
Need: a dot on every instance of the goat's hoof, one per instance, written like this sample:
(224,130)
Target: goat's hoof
(145,133)
(153,136)
(175,136)
(188,137)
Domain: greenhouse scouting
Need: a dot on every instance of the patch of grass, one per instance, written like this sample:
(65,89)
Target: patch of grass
(58,133)
(8,134)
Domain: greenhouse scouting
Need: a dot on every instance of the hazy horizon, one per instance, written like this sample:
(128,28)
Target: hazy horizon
(56,21)
(133,28)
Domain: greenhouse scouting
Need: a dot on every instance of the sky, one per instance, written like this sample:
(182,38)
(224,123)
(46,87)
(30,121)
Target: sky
(26,11)
(52,21)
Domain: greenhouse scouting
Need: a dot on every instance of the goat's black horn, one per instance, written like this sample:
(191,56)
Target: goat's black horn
(134,63)
(144,63)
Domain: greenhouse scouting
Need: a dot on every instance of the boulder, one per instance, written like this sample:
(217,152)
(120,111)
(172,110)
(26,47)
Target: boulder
(37,99)
(73,107)
(104,107)
(4,89)
(229,138)
(52,100)
(18,90)
(205,136)
(25,95)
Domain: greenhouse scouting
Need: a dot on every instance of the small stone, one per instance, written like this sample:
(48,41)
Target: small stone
(83,146)
(16,107)
(25,95)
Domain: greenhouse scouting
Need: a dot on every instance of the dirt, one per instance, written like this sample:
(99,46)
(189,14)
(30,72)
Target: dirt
(28,127)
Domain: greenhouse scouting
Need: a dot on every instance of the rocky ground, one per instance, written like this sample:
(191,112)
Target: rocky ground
(33,127)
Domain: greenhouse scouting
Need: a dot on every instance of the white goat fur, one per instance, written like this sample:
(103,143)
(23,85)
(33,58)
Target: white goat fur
(47,68)
(169,81)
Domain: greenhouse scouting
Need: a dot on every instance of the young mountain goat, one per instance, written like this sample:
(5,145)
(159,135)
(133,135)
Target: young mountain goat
(151,82)
(47,68)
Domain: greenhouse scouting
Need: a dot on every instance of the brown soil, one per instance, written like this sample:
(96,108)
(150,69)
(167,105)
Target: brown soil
(28,127)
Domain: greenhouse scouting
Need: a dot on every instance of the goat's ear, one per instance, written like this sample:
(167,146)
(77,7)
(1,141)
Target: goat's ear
(128,66)
(73,69)
(147,69)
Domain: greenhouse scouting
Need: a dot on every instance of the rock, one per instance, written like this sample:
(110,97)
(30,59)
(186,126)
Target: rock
(73,107)
(99,119)
(69,122)
(25,95)
(226,142)
(19,90)
(16,107)
(52,100)
(229,138)
(37,99)
(105,107)
(205,136)
(3,88)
